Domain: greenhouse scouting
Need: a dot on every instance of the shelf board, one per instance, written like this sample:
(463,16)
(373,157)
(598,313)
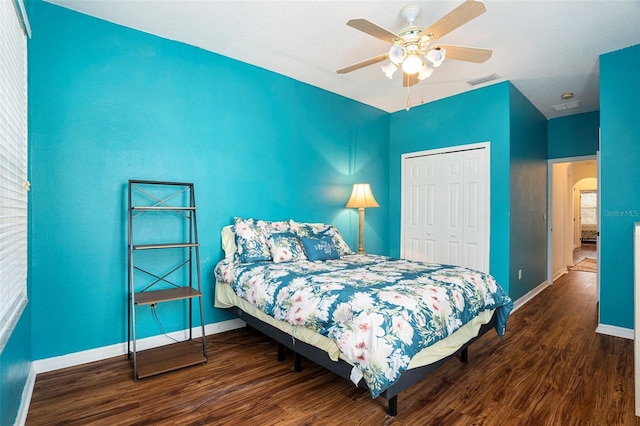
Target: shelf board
(163,246)
(162,208)
(156,296)
(170,357)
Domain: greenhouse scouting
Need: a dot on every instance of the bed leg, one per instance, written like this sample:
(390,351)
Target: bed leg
(281,352)
(393,406)
(297,362)
(464,356)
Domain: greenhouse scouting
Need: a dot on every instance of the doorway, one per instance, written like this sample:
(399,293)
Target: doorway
(587,218)
(573,215)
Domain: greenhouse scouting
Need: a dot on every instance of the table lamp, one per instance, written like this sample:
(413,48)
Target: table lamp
(361,198)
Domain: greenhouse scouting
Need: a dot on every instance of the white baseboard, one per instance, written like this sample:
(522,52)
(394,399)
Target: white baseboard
(560,273)
(27,391)
(97,354)
(612,330)
(529,296)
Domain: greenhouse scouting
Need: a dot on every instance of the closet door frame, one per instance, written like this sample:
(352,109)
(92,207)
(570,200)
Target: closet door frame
(439,151)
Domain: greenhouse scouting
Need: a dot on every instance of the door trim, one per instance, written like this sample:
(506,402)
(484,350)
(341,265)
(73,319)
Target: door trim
(550,164)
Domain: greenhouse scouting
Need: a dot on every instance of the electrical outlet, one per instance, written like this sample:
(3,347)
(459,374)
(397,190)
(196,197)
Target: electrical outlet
(519,274)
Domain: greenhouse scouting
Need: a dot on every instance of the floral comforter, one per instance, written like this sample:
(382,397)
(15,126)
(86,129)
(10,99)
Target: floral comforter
(380,311)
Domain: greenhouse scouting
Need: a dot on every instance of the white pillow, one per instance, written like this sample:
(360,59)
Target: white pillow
(228,241)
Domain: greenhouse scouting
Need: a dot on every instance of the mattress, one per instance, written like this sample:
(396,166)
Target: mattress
(377,313)
(226,298)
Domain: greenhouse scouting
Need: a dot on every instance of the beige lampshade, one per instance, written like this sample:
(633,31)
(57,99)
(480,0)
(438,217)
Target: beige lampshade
(361,196)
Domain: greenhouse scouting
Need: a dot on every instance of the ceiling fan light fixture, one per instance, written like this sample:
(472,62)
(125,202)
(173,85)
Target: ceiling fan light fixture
(389,69)
(412,47)
(425,72)
(436,56)
(397,53)
(412,64)
(425,39)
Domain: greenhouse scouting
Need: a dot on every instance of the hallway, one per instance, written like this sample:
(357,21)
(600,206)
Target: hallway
(586,250)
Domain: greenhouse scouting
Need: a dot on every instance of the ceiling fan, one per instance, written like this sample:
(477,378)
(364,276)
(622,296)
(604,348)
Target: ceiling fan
(413,48)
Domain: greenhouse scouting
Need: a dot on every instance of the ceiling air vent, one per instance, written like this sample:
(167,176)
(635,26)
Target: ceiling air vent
(568,105)
(484,79)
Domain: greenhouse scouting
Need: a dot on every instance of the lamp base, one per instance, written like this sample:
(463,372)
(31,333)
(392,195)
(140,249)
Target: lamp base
(361,231)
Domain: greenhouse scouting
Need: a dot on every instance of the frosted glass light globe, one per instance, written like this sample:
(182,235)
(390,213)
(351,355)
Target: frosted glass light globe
(425,72)
(436,56)
(412,64)
(397,54)
(389,69)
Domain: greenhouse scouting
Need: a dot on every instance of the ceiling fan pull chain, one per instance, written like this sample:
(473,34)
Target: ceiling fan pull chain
(408,99)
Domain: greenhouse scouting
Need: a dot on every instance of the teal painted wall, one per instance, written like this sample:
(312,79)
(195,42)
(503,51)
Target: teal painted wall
(574,135)
(109,103)
(15,362)
(620,182)
(481,115)
(528,187)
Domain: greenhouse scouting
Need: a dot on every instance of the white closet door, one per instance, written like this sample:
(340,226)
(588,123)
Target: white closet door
(446,208)
(420,215)
(476,211)
(449,208)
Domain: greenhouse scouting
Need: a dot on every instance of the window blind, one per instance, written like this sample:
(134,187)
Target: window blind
(13,166)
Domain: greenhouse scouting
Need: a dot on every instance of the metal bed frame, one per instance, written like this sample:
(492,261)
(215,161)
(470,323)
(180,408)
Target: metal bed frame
(343,368)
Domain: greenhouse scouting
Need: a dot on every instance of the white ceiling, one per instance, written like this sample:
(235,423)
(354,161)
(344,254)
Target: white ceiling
(544,47)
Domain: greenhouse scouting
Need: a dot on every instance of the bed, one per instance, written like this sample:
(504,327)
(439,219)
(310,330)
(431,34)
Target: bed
(382,323)
(588,233)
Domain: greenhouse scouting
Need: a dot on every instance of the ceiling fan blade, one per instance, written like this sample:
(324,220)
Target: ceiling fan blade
(363,64)
(372,29)
(457,17)
(469,54)
(409,80)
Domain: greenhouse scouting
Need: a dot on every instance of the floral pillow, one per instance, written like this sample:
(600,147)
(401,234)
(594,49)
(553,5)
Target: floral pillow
(320,248)
(285,247)
(318,230)
(341,245)
(251,243)
(268,227)
(251,238)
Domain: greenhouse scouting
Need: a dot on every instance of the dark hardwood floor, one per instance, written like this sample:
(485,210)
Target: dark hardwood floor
(585,250)
(551,368)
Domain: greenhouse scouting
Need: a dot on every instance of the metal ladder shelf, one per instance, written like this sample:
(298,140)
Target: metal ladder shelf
(153,281)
